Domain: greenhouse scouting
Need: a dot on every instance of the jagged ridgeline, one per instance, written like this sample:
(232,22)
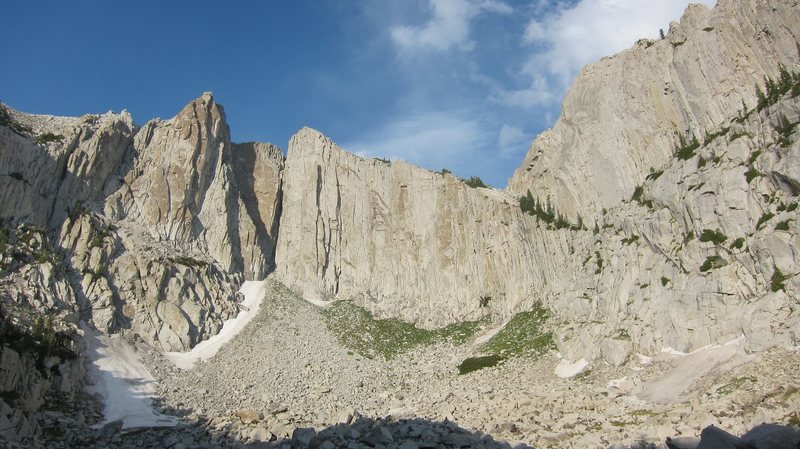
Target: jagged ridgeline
(659,211)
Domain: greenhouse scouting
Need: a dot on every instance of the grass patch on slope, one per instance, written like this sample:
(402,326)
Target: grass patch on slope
(359,331)
(523,336)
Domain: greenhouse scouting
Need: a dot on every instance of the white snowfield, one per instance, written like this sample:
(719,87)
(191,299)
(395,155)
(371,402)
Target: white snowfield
(124,383)
(254,292)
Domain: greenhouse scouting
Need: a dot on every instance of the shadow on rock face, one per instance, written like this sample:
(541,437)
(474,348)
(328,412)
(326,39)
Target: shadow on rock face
(360,432)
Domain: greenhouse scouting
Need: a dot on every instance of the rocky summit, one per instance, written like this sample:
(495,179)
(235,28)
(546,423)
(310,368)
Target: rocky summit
(636,285)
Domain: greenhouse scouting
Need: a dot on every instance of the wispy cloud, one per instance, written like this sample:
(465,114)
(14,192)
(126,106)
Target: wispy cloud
(449,27)
(431,139)
(512,140)
(566,39)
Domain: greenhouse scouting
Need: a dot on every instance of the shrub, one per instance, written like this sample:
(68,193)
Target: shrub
(631,239)
(188,261)
(599,260)
(778,280)
(738,243)
(782,226)
(49,137)
(686,148)
(752,174)
(711,262)
(475,182)
(664,281)
(785,129)
(787,82)
(709,235)
(475,363)
(15,127)
(655,175)
(764,218)
(718,133)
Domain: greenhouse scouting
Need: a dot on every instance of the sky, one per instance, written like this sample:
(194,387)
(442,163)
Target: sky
(464,85)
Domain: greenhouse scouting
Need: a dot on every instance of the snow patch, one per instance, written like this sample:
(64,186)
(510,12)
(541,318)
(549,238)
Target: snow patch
(125,384)
(254,292)
(566,369)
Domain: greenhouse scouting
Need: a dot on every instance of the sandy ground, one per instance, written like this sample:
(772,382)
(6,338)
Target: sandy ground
(253,292)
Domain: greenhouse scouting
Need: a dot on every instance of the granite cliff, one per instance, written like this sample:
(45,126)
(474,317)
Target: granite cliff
(659,212)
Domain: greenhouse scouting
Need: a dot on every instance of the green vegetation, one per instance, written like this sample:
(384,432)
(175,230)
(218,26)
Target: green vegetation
(15,127)
(632,239)
(686,148)
(523,335)
(696,186)
(778,280)
(710,235)
(708,29)
(782,225)
(78,210)
(547,214)
(774,89)
(654,174)
(785,129)
(599,262)
(711,262)
(445,171)
(360,332)
(738,243)
(385,161)
(42,341)
(734,385)
(484,301)
(764,218)
(188,261)
(755,156)
(475,182)
(739,134)
(49,137)
(96,274)
(752,174)
(793,420)
(475,363)
(718,133)
(664,281)
(701,162)
(638,196)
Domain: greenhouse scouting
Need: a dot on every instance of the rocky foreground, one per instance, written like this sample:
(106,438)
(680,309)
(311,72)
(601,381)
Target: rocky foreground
(288,381)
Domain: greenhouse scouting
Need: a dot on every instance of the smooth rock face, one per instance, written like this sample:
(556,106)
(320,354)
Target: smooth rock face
(623,114)
(424,247)
(404,241)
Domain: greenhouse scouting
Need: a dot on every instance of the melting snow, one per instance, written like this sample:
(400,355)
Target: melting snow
(254,292)
(124,383)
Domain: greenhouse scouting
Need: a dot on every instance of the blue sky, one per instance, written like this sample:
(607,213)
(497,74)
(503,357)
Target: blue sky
(458,84)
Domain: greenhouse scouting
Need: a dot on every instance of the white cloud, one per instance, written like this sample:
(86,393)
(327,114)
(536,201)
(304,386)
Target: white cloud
(433,140)
(569,38)
(512,140)
(449,27)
